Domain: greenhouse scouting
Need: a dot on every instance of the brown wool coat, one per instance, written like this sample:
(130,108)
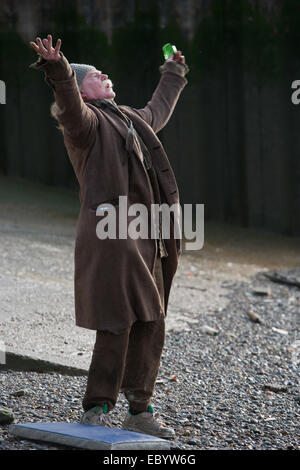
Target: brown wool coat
(113,281)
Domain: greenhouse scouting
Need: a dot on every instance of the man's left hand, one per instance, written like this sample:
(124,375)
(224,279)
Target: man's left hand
(177,57)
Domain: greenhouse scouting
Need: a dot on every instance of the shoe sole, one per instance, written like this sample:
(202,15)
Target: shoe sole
(133,429)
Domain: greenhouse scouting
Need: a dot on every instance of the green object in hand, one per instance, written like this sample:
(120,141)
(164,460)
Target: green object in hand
(169,49)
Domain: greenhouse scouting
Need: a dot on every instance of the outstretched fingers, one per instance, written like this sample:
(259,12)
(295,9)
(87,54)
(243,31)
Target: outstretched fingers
(45,49)
(42,49)
(57,47)
(49,41)
(34,45)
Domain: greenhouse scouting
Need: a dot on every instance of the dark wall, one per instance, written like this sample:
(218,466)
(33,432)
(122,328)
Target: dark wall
(233,139)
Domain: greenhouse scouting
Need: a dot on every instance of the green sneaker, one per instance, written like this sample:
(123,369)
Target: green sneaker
(145,423)
(97,416)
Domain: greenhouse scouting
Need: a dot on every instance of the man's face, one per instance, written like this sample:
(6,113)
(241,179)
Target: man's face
(96,85)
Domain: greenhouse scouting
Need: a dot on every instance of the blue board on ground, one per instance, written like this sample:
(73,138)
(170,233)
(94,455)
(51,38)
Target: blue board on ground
(86,436)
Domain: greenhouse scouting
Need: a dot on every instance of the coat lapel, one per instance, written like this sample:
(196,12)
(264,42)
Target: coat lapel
(118,124)
(126,131)
(159,159)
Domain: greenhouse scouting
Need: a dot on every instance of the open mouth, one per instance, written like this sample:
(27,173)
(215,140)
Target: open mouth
(108,84)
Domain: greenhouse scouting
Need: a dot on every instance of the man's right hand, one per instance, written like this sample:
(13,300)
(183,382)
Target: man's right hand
(45,49)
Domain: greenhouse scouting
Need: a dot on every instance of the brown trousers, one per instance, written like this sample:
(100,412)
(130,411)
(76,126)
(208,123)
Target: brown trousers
(127,362)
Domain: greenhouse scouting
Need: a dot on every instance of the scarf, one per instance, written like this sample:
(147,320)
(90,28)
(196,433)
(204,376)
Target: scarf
(133,139)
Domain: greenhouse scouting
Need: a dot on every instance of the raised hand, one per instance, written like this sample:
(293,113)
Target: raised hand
(45,49)
(177,57)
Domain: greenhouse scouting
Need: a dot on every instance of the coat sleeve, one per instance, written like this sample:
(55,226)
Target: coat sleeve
(78,120)
(159,109)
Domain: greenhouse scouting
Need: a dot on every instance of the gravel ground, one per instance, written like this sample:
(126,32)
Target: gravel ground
(236,390)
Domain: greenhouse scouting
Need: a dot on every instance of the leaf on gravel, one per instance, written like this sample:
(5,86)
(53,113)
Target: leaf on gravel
(254,317)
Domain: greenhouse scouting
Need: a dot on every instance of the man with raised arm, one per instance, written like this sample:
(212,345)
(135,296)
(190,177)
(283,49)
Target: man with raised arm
(121,285)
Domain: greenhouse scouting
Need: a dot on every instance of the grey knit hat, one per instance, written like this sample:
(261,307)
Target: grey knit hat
(81,70)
